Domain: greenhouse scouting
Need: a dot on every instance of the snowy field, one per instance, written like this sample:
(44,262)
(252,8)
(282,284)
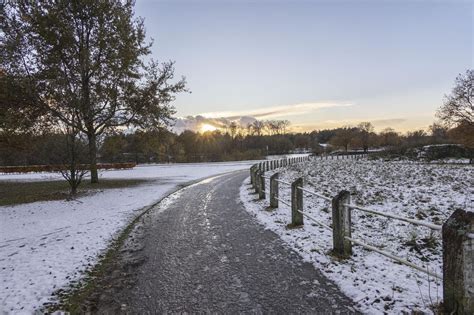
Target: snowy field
(420,191)
(45,246)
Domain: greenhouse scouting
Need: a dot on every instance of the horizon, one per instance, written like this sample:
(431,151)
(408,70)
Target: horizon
(388,63)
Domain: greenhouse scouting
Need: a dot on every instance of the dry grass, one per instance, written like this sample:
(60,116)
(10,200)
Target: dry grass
(15,193)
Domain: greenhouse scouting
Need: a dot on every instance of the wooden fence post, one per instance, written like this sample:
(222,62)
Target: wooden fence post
(252,174)
(341,224)
(274,190)
(257,181)
(458,263)
(296,203)
(261,191)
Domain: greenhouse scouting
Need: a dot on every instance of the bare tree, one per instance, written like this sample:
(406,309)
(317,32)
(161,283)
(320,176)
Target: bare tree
(258,127)
(73,172)
(72,154)
(284,124)
(233,129)
(389,137)
(458,107)
(439,133)
(365,130)
(343,138)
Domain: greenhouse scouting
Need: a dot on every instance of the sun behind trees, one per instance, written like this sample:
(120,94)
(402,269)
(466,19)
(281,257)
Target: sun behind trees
(84,59)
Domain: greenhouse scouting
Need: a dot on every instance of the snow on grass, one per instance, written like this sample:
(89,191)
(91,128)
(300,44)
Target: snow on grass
(419,191)
(45,246)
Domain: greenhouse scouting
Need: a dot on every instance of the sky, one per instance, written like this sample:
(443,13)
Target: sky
(318,64)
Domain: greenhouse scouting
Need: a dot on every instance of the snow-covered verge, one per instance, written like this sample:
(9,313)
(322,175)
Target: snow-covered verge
(45,246)
(376,283)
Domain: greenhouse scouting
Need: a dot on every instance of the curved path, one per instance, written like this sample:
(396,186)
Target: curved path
(206,254)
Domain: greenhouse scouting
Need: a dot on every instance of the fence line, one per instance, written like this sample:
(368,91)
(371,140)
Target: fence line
(457,231)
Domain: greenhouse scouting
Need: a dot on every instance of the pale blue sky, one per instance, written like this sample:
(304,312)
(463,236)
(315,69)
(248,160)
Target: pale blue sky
(391,61)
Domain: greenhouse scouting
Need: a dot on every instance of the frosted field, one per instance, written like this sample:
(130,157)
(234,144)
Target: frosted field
(45,246)
(420,191)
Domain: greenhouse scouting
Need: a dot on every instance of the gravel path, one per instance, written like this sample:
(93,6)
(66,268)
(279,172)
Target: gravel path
(206,254)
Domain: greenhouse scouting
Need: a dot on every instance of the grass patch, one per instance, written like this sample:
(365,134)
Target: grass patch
(15,193)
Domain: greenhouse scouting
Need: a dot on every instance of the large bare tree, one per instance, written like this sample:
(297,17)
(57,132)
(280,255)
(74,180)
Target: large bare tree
(88,57)
(458,107)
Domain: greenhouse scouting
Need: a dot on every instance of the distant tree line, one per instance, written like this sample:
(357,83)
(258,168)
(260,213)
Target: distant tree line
(240,143)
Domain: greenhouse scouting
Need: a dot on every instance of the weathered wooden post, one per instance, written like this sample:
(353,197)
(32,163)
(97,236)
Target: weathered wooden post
(274,190)
(296,203)
(257,181)
(458,263)
(252,174)
(341,224)
(261,191)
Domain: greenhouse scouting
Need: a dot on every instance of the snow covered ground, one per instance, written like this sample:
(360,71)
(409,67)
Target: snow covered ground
(420,191)
(45,246)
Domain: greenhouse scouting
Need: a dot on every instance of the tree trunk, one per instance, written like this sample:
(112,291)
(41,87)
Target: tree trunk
(73,189)
(93,158)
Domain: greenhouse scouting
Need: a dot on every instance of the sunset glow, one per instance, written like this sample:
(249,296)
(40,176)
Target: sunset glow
(207,127)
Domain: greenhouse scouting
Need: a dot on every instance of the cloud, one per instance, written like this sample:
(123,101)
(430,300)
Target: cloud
(243,118)
(276,111)
(388,122)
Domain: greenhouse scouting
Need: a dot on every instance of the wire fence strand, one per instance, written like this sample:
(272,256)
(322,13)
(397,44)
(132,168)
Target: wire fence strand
(396,258)
(396,217)
(315,194)
(315,221)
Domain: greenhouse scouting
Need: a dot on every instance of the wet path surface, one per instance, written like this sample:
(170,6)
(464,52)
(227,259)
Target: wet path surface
(206,254)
